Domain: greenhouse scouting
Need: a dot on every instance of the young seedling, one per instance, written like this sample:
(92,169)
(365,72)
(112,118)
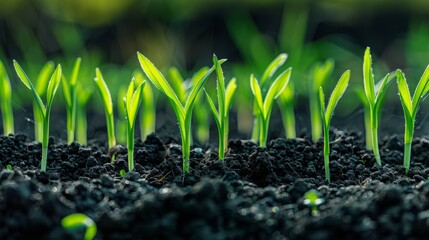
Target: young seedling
(122,173)
(70,94)
(287,111)
(183,113)
(132,103)
(224,97)
(9,168)
(42,82)
(6,101)
(77,220)
(265,105)
(108,107)
(327,115)
(360,92)
(266,77)
(181,87)
(44,110)
(313,201)
(319,75)
(411,107)
(148,110)
(375,96)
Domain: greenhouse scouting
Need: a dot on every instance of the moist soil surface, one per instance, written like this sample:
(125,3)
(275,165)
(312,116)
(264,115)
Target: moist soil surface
(255,193)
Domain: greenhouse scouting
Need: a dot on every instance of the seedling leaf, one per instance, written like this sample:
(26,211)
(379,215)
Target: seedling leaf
(272,67)
(339,90)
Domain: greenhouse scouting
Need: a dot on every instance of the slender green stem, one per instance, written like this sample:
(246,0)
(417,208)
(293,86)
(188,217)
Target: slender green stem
(408,139)
(130,146)
(264,132)
(110,130)
(326,152)
(71,122)
(7,117)
(186,145)
(289,120)
(45,141)
(81,124)
(226,132)
(38,123)
(316,122)
(375,145)
(186,152)
(374,134)
(407,156)
(222,141)
(368,131)
(256,129)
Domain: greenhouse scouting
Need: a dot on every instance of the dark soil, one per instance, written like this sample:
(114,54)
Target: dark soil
(255,193)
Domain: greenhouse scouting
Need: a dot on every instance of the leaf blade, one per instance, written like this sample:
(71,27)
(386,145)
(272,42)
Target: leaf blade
(337,93)
(277,87)
(272,67)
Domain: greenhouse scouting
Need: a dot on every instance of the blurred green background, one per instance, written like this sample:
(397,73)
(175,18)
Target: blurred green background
(249,33)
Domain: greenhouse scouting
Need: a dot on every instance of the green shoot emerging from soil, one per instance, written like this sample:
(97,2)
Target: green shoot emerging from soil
(411,107)
(9,168)
(269,72)
(183,113)
(6,101)
(132,103)
(327,115)
(374,95)
(108,107)
(265,105)
(44,110)
(70,93)
(42,82)
(320,74)
(224,97)
(312,200)
(77,220)
(286,105)
(147,117)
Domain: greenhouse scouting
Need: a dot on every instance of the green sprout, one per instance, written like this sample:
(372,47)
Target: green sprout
(339,90)
(9,168)
(224,98)
(374,95)
(6,101)
(42,82)
(265,105)
(287,111)
(70,94)
(183,113)
(320,74)
(132,103)
(108,107)
(360,92)
(44,110)
(266,76)
(122,173)
(313,200)
(411,107)
(147,118)
(77,220)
